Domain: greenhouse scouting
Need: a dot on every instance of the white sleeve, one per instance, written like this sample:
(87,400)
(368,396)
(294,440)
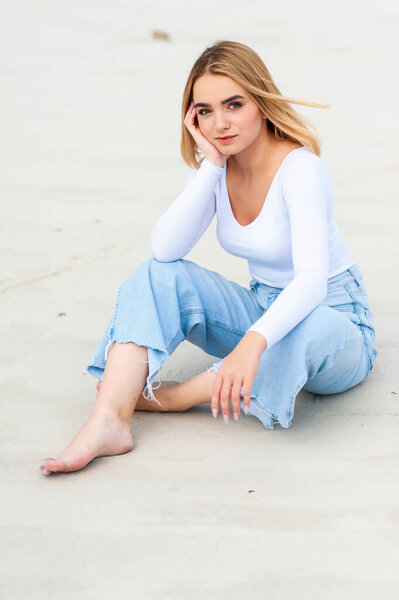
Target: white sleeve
(180,227)
(306,188)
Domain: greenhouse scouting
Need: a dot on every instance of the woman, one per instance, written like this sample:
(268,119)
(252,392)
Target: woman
(304,321)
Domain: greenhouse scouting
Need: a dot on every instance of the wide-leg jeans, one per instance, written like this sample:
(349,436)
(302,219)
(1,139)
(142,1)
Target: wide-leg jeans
(163,303)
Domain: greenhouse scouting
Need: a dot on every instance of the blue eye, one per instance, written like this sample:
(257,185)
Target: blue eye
(206,109)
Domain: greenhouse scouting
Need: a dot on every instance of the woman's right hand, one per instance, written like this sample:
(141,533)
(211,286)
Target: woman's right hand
(209,151)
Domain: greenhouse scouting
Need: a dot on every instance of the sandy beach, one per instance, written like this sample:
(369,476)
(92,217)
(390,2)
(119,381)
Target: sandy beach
(90,121)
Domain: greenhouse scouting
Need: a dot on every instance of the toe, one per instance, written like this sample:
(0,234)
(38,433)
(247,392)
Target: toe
(44,470)
(52,465)
(45,467)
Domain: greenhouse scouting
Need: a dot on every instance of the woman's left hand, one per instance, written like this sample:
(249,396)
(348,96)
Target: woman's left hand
(238,370)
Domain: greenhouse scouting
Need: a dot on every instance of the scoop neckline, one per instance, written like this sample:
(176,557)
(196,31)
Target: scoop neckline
(265,203)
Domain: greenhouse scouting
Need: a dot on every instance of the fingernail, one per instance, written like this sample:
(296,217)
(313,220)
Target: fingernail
(214,412)
(236,416)
(246,409)
(42,468)
(226,419)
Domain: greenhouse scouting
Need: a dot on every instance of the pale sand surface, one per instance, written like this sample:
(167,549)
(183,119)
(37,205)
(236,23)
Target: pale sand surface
(89,114)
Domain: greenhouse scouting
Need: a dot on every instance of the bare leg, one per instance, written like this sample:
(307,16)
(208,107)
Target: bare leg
(190,393)
(107,431)
(175,396)
(160,393)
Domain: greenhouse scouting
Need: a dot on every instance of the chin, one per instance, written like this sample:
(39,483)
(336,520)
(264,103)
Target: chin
(229,148)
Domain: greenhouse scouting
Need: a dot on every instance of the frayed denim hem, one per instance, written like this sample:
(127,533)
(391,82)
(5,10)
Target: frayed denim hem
(155,365)
(156,356)
(258,408)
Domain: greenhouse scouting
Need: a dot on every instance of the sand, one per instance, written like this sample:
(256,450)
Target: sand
(90,122)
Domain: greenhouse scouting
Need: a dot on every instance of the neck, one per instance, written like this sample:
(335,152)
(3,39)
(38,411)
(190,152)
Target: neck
(256,157)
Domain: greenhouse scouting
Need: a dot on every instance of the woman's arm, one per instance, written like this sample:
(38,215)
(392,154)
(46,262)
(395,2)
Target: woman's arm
(180,227)
(306,188)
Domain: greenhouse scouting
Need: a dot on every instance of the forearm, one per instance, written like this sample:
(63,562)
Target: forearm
(179,228)
(255,341)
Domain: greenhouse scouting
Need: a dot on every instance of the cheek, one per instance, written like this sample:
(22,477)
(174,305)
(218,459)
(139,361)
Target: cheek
(204,127)
(251,121)
(250,127)
(247,122)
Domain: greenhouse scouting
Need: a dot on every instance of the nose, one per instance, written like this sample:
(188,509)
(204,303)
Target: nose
(222,124)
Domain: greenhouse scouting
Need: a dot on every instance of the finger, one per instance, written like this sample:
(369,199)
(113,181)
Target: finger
(190,112)
(186,116)
(225,394)
(246,395)
(191,125)
(235,398)
(215,395)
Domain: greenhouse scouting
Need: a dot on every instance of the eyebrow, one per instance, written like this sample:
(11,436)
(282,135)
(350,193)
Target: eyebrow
(222,102)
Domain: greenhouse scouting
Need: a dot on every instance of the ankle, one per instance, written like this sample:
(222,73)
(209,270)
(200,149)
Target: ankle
(112,412)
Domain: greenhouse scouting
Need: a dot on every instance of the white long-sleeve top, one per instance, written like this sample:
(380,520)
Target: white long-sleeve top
(294,243)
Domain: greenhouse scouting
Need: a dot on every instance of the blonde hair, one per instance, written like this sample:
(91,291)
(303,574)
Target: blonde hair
(244,65)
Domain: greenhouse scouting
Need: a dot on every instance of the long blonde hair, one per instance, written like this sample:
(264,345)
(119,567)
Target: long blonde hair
(244,66)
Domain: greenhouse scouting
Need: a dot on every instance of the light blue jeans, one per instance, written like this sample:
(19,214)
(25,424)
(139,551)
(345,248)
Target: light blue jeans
(163,303)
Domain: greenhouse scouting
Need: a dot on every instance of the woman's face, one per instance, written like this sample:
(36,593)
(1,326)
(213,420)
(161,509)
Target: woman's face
(239,117)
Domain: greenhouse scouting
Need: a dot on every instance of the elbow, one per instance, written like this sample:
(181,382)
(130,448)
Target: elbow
(162,253)
(168,249)
(159,258)
(158,250)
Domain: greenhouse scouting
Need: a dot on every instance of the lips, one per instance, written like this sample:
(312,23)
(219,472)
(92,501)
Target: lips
(227,137)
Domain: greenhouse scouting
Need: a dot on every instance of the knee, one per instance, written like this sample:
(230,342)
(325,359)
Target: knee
(151,267)
(159,269)
(152,273)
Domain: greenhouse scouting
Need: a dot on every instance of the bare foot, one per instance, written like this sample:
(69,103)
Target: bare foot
(161,393)
(104,434)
